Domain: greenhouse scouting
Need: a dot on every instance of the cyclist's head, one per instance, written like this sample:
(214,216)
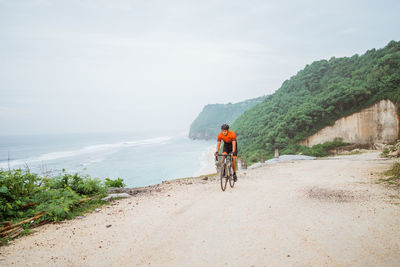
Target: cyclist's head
(225,127)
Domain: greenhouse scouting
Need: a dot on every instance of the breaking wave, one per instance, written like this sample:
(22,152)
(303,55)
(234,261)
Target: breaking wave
(86,150)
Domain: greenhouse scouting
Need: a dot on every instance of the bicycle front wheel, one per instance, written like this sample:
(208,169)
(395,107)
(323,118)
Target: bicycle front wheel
(231,181)
(224,176)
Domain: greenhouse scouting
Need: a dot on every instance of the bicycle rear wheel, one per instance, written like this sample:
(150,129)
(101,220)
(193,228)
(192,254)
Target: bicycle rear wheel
(224,176)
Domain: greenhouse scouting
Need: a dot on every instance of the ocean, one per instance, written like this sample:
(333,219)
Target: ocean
(140,159)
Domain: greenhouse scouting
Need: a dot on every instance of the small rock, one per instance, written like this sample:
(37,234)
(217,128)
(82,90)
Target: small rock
(79,217)
(108,225)
(97,210)
(205,178)
(379,146)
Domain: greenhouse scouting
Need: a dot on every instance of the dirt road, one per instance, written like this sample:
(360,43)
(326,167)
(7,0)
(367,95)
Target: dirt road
(326,212)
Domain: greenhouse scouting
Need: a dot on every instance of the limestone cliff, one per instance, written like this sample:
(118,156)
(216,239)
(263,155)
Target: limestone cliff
(378,123)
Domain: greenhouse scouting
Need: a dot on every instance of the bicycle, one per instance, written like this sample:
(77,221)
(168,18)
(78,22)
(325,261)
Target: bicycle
(226,171)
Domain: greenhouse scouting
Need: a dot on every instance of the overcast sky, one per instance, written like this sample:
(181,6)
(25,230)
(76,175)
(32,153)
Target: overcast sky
(104,66)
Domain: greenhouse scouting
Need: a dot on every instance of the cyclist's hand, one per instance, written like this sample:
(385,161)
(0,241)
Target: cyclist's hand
(234,153)
(216,154)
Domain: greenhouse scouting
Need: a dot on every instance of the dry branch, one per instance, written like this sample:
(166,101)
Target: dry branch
(41,223)
(18,224)
(9,231)
(17,232)
(6,223)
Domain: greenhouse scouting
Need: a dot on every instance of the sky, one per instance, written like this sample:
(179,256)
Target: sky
(127,66)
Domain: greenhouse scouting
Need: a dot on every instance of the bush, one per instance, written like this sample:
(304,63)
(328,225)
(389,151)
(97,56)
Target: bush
(16,190)
(316,151)
(83,185)
(322,150)
(22,194)
(114,183)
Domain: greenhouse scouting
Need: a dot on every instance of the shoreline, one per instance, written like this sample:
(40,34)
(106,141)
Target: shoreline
(207,162)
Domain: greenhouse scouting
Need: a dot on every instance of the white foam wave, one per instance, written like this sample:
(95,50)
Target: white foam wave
(94,160)
(101,148)
(207,164)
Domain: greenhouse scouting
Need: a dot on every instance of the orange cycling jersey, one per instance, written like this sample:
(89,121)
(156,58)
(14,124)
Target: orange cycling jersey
(231,136)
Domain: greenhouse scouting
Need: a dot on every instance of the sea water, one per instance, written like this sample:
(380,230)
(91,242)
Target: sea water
(140,159)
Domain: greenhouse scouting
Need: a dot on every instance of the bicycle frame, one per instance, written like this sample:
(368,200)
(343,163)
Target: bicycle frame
(227,156)
(226,170)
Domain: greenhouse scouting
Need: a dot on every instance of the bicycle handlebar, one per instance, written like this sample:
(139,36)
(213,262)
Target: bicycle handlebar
(222,155)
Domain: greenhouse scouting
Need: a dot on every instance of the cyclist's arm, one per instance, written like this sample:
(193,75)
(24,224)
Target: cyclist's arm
(218,146)
(233,146)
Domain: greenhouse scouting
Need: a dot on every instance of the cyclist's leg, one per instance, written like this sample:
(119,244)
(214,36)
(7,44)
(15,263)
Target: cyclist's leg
(234,163)
(234,159)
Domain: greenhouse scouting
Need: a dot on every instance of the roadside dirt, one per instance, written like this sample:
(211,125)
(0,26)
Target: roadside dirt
(325,212)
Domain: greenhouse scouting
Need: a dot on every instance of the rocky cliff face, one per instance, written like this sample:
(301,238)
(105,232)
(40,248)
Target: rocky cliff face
(376,124)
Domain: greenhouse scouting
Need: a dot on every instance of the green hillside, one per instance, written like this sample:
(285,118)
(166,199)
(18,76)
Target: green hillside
(207,124)
(315,97)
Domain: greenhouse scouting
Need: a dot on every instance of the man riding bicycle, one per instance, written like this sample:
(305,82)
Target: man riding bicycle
(230,146)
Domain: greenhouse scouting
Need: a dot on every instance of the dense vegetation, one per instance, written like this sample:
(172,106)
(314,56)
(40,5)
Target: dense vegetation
(25,195)
(207,124)
(317,96)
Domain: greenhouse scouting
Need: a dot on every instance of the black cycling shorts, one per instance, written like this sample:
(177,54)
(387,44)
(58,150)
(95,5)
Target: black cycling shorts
(228,148)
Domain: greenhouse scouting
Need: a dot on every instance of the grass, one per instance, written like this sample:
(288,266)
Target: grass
(353,152)
(393,175)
